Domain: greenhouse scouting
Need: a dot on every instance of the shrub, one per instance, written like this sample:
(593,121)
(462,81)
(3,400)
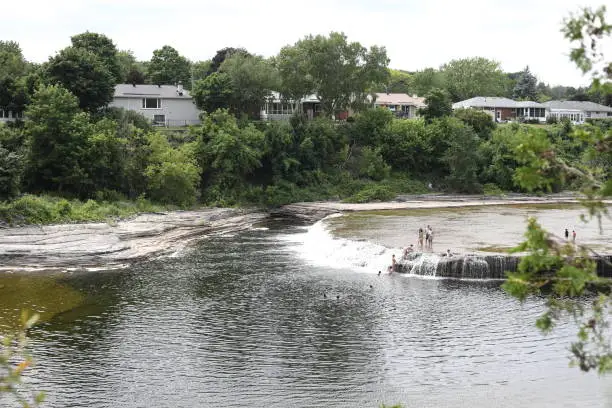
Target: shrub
(491,189)
(11,170)
(372,164)
(375,192)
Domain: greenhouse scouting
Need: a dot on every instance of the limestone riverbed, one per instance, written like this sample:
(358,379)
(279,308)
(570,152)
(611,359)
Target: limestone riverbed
(119,243)
(114,244)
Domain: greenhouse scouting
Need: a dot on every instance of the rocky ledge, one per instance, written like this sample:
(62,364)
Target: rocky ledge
(475,266)
(113,244)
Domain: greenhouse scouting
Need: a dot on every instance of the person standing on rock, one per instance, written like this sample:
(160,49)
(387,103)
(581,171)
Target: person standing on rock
(421,238)
(427,232)
(566,234)
(393,263)
(574,236)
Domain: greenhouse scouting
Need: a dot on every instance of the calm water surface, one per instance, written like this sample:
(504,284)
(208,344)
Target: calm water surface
(254,320)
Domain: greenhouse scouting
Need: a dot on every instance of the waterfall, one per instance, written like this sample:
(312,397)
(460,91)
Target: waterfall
(459,266)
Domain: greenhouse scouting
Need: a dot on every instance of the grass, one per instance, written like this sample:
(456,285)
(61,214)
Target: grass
(31,209)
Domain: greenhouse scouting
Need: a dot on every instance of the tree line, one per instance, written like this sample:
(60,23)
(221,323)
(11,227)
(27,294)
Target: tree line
(72,145)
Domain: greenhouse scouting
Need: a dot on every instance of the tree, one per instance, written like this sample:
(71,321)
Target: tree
(423,82)
(103,48)
(438,105)
(173,174)
(131,72)
(167,66)
(342,73)
(480,121)
(11,170)
(226,153)
(57,134)
(81,72)
(399,82)
(252,81)
(13,69)
(223,54)
(200,70)
(526,86)
(213,92)
(469,77)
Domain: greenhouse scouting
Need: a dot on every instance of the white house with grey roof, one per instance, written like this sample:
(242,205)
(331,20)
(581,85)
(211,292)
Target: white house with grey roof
(504,109)
(578,111)
(164,105)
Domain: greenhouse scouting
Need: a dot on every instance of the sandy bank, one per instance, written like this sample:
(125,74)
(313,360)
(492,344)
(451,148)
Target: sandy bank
(107,245)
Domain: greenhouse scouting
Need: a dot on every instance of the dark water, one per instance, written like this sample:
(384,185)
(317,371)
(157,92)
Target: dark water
(241,321)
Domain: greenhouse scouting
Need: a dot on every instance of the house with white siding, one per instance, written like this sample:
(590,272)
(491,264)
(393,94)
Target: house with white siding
(504,109)
(163,105)
(578,111)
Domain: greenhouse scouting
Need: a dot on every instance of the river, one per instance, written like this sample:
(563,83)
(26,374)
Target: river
(274,317)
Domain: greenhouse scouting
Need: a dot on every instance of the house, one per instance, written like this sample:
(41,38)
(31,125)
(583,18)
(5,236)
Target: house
(403,105)
(278,108)
(578,111)
(164,105)
(504,109)
(8,115)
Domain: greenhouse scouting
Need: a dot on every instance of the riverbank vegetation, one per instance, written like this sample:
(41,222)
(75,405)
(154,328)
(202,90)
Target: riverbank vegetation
(94,159)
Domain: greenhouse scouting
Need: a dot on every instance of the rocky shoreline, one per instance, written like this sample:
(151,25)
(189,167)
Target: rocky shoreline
(114,244)
(108,245)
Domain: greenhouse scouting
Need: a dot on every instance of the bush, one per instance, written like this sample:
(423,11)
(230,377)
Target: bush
(551,120)
(372,164)
(491,189)
(30,209)
(374,192)
(11,171)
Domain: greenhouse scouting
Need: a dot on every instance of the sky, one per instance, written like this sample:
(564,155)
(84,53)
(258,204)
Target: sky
(416,33)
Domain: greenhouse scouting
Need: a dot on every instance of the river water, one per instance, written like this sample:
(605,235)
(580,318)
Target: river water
(273,317)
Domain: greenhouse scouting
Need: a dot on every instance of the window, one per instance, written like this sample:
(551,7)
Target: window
(159,120)
(151,103)
(280,108)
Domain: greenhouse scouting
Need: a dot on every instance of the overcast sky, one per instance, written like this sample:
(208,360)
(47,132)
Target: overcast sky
(416,33)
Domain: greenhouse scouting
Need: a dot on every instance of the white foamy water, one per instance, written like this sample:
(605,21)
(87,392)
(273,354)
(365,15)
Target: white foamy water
(317,246)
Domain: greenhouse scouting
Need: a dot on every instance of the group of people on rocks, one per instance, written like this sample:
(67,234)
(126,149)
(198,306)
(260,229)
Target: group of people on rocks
(425,240)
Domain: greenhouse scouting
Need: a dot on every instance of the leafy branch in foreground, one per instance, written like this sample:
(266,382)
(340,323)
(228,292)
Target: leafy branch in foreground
(14,361)
(553,267)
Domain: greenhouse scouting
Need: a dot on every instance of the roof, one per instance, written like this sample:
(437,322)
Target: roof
(529,104)
(398,99)
(578,105)
(495,102)
(275,96)
(140,91)
(486,102)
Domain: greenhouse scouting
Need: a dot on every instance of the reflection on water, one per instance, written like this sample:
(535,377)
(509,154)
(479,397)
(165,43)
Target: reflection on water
(244,321)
